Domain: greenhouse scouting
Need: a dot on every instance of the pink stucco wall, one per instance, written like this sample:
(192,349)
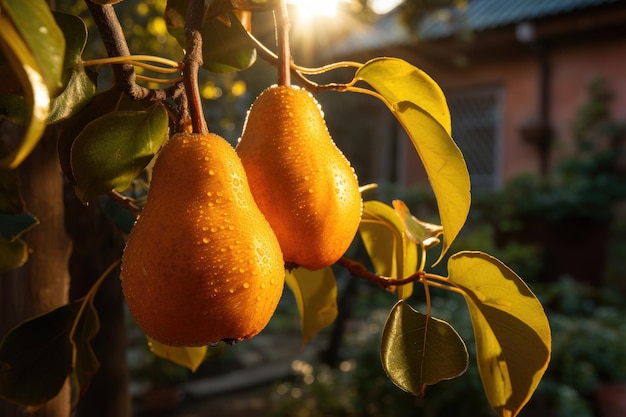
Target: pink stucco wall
(573,66)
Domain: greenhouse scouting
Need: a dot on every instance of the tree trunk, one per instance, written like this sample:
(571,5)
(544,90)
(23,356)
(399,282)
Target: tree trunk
(42,283)
(96,245)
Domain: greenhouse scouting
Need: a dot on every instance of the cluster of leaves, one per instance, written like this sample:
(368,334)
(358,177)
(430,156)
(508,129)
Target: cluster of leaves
(107,140)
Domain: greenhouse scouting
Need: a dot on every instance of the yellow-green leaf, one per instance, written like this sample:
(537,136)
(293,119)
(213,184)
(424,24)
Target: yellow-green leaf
(419,350)
(420,107)
(420,232)
(36,92)
(397,81)
(392,254)
(34,23)
(513,341)
(316,296)
(189,357)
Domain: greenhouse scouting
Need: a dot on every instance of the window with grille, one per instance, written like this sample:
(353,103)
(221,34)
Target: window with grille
(476,126)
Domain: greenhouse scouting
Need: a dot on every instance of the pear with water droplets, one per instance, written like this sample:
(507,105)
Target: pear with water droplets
(201,263)
(300,180)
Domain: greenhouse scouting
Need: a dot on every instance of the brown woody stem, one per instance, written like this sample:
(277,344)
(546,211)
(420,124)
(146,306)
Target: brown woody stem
(125,202)
(284,52)
(115,44)
(358,270)
(193,61)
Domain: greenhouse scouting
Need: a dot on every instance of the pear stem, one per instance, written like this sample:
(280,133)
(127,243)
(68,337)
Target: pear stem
(284,53)
(193,61)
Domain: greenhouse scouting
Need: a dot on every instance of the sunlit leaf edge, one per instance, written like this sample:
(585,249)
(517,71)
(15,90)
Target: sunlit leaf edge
(313,318)
(373,208)
(540,328)
(188,357)
(452,190)
(35,91)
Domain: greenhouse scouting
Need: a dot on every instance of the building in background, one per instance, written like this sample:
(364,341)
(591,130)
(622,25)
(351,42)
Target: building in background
(514,73)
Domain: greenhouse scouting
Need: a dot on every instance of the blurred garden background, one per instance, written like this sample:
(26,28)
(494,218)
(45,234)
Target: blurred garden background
(537,94)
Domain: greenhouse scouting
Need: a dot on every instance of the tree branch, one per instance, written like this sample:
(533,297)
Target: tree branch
(193,61)
(115,44)
(358,270)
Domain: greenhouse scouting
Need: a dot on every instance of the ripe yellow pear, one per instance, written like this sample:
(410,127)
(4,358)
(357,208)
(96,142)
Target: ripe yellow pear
(201,263)
(300,180)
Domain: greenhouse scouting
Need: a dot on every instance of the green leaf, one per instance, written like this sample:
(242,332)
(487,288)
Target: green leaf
(13,225)
(84,361)
(13,254)
(36,356)
(316,296)
(113,149)
(513,339)
(42,38)
(226,47)
(103,103)
(36,93)
(79,87)
(418,350)
(14,108)
(189,357)
(175,12)
(391,253)
(80,90)
(39,354)
(420,107)
(422,233)
(75,33)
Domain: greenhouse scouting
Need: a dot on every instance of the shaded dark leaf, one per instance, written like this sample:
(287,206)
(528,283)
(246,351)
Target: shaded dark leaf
(14,108)
(75,33)
(13,225)
(85,363)
(226,48)
(36,356)
(418,350)
(13,254)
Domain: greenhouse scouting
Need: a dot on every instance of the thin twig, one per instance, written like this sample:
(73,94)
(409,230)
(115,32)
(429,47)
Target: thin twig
(284,50)
(193,61)
(358,270)
(269,56)
(125,202)
(115,44)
